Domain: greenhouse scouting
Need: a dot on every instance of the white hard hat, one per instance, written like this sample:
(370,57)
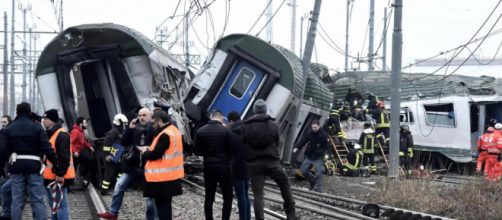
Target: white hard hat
(498,126)
(357,146)
(119,119)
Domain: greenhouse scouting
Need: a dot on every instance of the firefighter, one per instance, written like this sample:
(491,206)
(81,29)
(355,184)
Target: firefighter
(354,98)
(484,142)
(369,140)
(405,149)
(381,115)
(372,100)
(332,126)
(494,151)
(112,151)
(354,158)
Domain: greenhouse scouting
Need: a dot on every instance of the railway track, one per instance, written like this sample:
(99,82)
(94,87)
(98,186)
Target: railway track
(352,207)
(83,204)
(199,189)
(318,208)
(454,179)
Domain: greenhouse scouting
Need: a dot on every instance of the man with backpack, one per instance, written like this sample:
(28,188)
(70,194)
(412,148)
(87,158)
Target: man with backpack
(261,139)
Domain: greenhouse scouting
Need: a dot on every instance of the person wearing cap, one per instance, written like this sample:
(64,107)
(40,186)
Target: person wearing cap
(261,139)
(405,149)
(63,172)
(213,141)
(111,144)
(164,165)
(25,141)
(317,145)
(354,159)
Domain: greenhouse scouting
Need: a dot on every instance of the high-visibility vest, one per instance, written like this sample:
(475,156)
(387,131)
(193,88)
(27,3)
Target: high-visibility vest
(170,166)
(48,174)
(369,144)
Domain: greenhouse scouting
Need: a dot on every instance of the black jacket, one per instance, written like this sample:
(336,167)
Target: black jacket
(317,145)
(332,125)
(239,165)
(142,135)
(161,190)
(62,151)
(261,126)
(405,141)
(213,142)
(355,157)
(25,137)
(114,135)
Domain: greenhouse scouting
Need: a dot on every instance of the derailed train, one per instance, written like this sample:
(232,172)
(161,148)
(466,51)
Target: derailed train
(99,70)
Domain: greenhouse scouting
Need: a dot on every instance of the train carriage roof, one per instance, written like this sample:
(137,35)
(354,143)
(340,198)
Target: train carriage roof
(289,65)
(414,85)
(291,75)
(130,42)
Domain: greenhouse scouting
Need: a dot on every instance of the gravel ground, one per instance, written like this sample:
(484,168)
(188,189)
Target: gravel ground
(189,205)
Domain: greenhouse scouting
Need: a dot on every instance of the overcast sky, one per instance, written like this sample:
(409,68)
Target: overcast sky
(429,26)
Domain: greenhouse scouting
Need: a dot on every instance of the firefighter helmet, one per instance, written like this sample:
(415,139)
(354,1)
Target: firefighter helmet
(119,119)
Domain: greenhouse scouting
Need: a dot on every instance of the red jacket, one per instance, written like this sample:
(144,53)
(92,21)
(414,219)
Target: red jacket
(78,140)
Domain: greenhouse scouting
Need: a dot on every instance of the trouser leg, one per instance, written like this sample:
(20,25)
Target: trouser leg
(279,176)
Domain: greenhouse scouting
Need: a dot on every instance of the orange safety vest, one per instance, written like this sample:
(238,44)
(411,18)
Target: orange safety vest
(48,174)
(170,166)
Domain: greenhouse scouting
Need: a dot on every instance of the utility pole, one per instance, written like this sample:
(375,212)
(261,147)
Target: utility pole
(347,21)
(61,15)
(293,25)
(24,57)
(5,60)
(12,98)
(397,39)
(301,37)
(309,47)
(269,19)
(372,36)
(30,69)
(384,39)
(35,84)
(187,48)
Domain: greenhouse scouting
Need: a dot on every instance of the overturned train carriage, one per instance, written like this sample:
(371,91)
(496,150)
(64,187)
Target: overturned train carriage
(99,70)
(446,117)
(242,69)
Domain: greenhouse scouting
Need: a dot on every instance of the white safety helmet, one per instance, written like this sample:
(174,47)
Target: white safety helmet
(498,126)
(357,146)
(119,119)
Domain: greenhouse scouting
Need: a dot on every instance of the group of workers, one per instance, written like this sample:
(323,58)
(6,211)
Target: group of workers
(320,143)
(43,159)
(490,150)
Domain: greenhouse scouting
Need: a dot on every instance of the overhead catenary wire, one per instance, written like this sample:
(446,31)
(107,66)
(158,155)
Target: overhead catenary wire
(271,18)
(468,42)
(259,17)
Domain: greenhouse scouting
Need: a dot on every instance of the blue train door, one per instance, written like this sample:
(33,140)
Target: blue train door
(238,89)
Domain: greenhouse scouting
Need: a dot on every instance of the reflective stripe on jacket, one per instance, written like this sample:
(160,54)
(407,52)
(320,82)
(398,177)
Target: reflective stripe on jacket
(170,166)
(48,174)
